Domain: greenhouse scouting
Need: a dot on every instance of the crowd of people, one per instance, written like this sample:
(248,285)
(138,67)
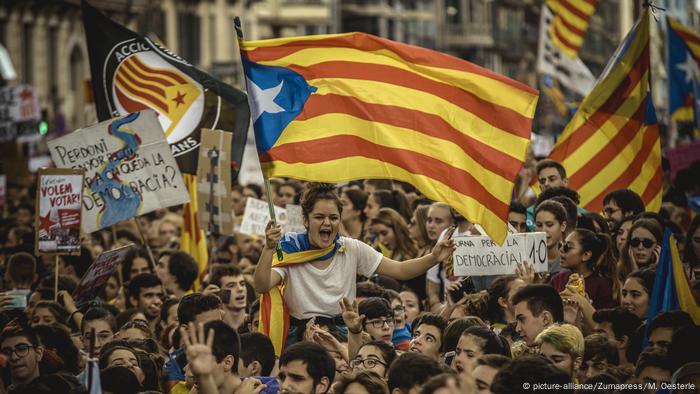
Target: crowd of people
(373,301)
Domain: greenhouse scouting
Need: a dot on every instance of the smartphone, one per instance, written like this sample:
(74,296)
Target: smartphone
(467,287)
(225,296)
(19,298)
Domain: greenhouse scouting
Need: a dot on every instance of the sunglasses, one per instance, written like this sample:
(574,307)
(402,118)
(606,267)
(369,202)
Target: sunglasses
(566,247)
(646,242)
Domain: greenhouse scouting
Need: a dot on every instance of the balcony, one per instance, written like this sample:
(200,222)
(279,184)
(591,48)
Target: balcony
(469,35)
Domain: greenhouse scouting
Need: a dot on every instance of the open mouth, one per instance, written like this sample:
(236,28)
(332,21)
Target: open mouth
(386,338)
(240,298)
(325,235)
(459,368)
(414,349)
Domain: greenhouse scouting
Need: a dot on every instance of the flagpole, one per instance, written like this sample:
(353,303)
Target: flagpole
(268,188)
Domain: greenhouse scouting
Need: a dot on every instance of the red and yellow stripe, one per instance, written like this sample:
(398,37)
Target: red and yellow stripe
(568,28)
(382,109)
(610,143)
(193,239)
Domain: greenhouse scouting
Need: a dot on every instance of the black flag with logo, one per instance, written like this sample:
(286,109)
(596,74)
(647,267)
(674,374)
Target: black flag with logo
(130,73)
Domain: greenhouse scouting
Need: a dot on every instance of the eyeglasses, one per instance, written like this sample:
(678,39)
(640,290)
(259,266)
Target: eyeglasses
(379,323)
(566,247)
(20,350)
(646,242)
(610,211)
(367,363)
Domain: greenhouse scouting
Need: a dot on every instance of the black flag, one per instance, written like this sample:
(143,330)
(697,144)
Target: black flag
(131,73)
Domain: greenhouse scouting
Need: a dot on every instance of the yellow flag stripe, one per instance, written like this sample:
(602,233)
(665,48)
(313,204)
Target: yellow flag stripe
(373,92)
(485,88)
(394,137)
(346,169)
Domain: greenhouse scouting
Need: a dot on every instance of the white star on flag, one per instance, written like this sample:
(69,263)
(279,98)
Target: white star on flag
(262,100)
(689,68)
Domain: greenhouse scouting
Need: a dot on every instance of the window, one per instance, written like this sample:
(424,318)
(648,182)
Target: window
(27,55)
(189,36)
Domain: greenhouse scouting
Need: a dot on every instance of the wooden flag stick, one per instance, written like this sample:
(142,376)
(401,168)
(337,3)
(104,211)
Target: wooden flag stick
(55,282)
(151,259)
(271,206)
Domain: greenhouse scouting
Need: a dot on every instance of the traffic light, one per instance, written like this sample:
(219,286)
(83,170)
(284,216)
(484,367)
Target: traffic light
(43,127)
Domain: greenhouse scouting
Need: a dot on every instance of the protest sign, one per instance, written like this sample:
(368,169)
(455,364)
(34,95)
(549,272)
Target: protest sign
(256,216)
(295,219)
(3,191)
(98,274)
(129,169)
(682,157)
(19,112)
(58,206)
(478,256)
(214,182)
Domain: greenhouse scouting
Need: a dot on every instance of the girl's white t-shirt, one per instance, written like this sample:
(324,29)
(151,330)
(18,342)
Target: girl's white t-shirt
(314,292)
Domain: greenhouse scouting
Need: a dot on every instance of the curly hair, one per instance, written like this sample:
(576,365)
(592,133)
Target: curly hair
(319,191)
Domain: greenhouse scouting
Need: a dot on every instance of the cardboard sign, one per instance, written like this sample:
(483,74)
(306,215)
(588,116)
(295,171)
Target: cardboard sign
(19,112)
(295,219)
(256,216)
(59,198)
(478,256)
(129,169)
(97,275)
(214,182)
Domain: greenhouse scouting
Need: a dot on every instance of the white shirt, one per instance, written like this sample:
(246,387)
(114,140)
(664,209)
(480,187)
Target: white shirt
(314,292)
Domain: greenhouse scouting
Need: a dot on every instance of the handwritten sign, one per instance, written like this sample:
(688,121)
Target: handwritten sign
(478,256)
(58,205)
(129,169)
(256,216)
(98,274)
(295,219)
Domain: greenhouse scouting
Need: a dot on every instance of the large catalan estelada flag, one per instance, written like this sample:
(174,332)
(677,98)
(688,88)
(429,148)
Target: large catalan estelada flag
(671,289)
(568,28)
(683,57)
(612,142)
(131,73)
(334,108)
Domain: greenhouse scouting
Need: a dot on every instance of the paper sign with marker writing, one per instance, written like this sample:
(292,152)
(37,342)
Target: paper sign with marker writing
(98,274)
(129,169)
(478,256)
(295,219)
(58,206)
(256,216)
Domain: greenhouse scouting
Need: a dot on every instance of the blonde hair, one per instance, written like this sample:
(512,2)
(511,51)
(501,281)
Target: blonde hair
(564,337)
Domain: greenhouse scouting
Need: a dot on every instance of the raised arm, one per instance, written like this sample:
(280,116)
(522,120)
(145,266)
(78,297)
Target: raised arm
(265,278)
(409,269)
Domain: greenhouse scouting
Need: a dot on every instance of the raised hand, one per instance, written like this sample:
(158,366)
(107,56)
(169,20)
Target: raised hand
(351,315)
(444,249)
(572,311)
(199,349)
(526,272)
(250,386)
(273,234)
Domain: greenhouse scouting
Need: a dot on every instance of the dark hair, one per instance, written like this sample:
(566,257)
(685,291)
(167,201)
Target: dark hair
(645,276)
(689,255)
(218,271)
(99,313)
(599,220)
(57,310)
(541,298)
(602,259)
(129,258)
(129,236)
(141,281)
(61,382)
(624,323)
(258,347)
(553,207)
(368,289)
(19,328)
(394,199)
(119,380)
(517,208)
(21,267)
(411,369)
(125,316)
(57,337)
(437,382)
(226,342)
(627,200)
(112,346)
(652,357)
(684,347)
(167,304)
(670,319)
(531,369)
(495,361)
(559,191)
(571,209)
(491,343)
(454,330)
(431,319)
(319,363)
(372,383)
(358,198)
(597,347)
(388,352)
(183,267)
(319,191)
(80,263)
(194,304)
(549,163)
(255,188)
(497,289)
(374,307)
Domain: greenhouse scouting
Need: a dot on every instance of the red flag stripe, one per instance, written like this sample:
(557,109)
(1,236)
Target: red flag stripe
(143,84)
(129,104)
(147,96)
(687,37)
(564,41)
(364,42)
(571,27)
(572,9)
(134,68)
(499,116)
(426,123)
(343,146)
(167,73)
(653,187)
